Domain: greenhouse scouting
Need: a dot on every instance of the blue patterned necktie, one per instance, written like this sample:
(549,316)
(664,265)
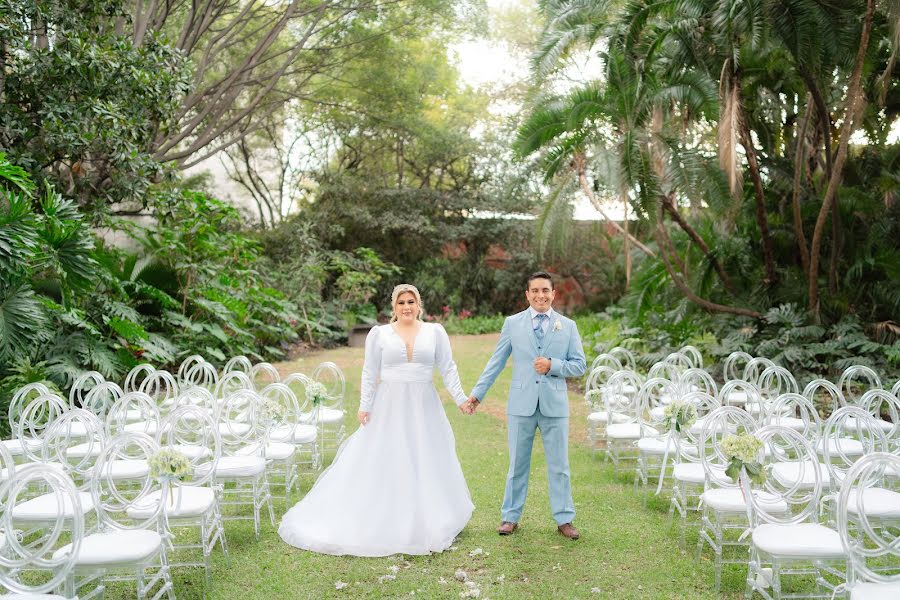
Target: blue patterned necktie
(539,325)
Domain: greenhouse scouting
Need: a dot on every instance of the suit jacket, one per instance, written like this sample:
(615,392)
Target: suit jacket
(561,344)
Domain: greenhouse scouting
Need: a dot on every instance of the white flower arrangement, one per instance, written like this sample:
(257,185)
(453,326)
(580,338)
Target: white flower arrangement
(270,410)
(679,416)
(743,453)
(316,393)
(557,326)
(169,465)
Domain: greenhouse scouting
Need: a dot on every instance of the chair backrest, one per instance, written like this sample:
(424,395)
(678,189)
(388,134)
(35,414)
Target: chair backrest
(201,374)
(653,393)
(238,363)
(698,380)
(739,392)
(849,433)
(36,554)
(775,381)
(114,496)
(161,386)
(617,400)
(885,409)
(37,416)
(795,406)
(606,360)
(262,374)
(754,368)
(135,410)
(193,431)
(896,389)
(593,387)
(717,425)
(801,492)
(187,364)
(822,391)
(20,400)
(681,361)
(238,421)
(101,398)
(136,375)
(232,381)
(197,396)
(869,544)
(668,370)
(625,356)
(856,381)
(7,465)
(694,354)
(83,384)
(74,427)
(734,366)
(331,376)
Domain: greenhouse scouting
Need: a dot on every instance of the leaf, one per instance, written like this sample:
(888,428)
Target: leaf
(129,330)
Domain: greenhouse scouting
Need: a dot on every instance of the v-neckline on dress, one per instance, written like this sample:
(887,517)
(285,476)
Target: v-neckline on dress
(410,350)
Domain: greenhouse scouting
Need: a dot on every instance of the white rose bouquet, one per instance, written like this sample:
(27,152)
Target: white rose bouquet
(679,416)
(169,465)
(316,393)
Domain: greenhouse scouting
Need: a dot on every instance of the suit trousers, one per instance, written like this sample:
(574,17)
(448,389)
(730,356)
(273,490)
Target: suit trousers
(555,435)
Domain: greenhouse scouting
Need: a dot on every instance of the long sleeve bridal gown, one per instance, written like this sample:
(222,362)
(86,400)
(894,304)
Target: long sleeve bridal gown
(395,486)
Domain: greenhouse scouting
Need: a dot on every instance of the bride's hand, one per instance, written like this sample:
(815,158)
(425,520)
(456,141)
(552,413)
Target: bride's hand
(362,417)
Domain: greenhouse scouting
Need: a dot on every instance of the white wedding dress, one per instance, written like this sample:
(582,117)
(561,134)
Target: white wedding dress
(395,486)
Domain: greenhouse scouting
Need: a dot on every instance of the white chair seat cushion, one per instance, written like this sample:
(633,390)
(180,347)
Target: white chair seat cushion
(657,445)
(629,431)
(185,501)
(694,473)
(851,425)
(116,548)
(799,540)
(302,434)
(790,422)
(234,429)
(2,541)
(731,500)
(274,450)
(788,473)
(601,416)
(330,415)
(697,428)
(848,446)
(735,397)
(193,452)
(4,474)
(149,427)
(32,597)
(877,502)
(16,448)
(125,469)
(84,449)
(46,507)
(236,466)
(875,591)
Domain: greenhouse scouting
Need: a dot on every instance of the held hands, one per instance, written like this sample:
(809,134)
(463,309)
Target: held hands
(468,407)
(363,417)
(542,365)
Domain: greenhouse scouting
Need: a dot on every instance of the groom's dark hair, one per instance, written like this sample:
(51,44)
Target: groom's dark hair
(539,275)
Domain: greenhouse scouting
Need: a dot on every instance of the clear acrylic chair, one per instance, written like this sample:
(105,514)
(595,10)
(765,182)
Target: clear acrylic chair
(856,381)
(824,393)
(598,418)
(20,399)
(653,445)
(262,374)
(136,375)
(793,543)
(869,526)
(723,508)
(621,437)
(31,567)
(605,360)
(331,413)
(734,365)
(124,548)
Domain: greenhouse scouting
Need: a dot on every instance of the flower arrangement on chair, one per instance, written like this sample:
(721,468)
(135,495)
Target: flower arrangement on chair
(743,450)
(316,393)
(679,416)
(169,465)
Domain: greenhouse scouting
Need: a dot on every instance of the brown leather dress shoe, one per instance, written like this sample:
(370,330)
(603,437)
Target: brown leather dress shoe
(570,532)
(506,528)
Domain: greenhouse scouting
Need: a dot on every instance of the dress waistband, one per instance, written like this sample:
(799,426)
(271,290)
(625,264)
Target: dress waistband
(410,373)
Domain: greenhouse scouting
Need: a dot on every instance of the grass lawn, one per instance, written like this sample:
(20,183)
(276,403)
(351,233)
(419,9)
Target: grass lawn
(626,549)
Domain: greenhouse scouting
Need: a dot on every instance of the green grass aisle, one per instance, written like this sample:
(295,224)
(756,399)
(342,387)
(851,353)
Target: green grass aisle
(626,549)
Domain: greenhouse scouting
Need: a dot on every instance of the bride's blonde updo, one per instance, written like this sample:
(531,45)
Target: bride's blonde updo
(402,289)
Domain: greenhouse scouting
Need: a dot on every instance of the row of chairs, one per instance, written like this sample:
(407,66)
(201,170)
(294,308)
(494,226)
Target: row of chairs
(813,464)
(241,435)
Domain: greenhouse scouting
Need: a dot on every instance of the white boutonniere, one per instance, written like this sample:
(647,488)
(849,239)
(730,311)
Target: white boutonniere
(557,326)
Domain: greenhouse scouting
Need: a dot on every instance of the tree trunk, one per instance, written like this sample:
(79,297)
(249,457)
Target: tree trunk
(854,106)
(625,246)
(701,243)
(762,219)
(686,290)
(799,161)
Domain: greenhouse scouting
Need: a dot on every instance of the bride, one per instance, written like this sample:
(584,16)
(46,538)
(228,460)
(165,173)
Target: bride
(395,486)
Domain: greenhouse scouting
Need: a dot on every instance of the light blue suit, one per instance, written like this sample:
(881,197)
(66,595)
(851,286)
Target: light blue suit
(536,402)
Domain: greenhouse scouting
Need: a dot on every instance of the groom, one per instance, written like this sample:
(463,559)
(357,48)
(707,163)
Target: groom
(545,348)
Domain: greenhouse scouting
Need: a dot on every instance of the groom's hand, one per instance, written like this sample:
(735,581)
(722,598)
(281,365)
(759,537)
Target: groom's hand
(542,365)
(468,407)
